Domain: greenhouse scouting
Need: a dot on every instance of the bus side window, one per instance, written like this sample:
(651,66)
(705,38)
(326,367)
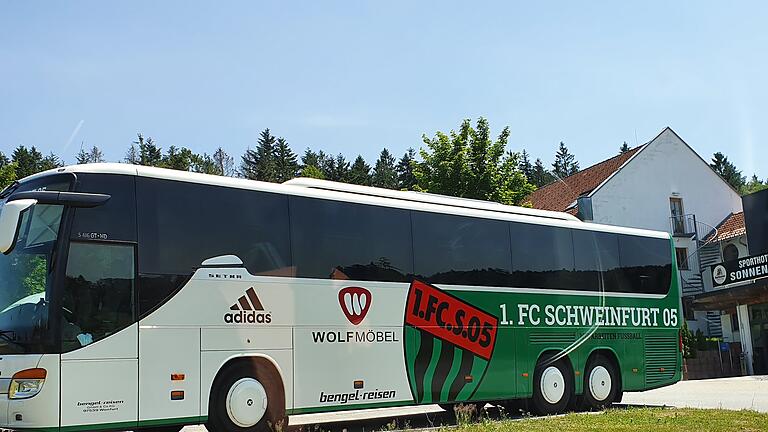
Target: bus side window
(646,264)
(338,240)
(542,256)
(460,250)
(597,261)
(98,292)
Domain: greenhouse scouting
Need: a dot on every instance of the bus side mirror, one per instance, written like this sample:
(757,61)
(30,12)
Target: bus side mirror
(10,219)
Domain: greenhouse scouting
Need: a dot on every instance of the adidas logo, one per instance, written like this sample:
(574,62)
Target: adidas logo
(249,310)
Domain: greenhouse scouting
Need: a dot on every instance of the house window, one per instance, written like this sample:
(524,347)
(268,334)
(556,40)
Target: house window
(682,258)
(730,253)
(678,218)
(688,309)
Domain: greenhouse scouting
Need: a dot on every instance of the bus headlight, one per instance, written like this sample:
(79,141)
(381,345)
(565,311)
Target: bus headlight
(26,383)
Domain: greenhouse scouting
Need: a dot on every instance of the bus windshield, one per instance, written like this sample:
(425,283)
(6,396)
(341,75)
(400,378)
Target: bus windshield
(25,282)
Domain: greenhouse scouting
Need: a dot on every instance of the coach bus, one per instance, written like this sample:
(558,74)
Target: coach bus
(142,298)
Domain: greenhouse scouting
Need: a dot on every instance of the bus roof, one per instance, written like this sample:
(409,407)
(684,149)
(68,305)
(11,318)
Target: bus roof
(361,194)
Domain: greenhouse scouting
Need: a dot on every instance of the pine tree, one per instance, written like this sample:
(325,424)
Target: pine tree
(336,169)
(525,166)
(565,163)
(148,153)
(94,155)
(132,155)
(225,164)
(27,161)
(50,162)
(624,148)
(177,158)
(727,170)
(286,165)
(204,164)
(360,173)
(259,164)
(406,180)
(539,175)
(384,172)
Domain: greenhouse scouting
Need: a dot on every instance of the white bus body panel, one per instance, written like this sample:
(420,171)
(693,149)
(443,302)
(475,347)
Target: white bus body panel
(40,411)
(167,351)
(100,381)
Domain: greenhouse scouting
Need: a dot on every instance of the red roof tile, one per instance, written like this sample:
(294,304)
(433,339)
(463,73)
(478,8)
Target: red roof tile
(732,226)
(559,195)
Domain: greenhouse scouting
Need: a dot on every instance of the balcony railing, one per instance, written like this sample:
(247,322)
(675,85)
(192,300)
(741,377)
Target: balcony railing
(683,225)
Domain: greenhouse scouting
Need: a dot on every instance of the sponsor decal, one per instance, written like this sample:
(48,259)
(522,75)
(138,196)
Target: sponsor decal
(451,319)
(357,396)
(355,303)
(358,336)
(587,316)
(100,406)
(248,310)
(448,344)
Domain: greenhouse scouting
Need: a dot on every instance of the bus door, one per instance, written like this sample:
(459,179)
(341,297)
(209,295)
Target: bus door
(99,364)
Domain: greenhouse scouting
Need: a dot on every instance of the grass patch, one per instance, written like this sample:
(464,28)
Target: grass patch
(634,419)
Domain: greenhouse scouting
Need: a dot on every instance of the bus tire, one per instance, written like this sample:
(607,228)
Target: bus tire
(552,386)
(246,398)
(601,383)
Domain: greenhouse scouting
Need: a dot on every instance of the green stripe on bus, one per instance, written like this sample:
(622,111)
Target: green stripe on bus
(312,410)
(451,375)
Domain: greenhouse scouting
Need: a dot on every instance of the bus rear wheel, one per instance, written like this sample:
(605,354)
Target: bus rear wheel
(601,383)
(552,386)
(245,398)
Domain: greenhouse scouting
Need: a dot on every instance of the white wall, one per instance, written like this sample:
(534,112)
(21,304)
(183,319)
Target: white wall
(638,195)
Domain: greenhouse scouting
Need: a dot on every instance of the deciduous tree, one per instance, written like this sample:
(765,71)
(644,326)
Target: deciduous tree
(469,163)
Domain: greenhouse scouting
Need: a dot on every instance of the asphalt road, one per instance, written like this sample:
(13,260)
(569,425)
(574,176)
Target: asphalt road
(726,393)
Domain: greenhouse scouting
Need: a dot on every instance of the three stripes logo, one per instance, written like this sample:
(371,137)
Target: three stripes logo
(248,310)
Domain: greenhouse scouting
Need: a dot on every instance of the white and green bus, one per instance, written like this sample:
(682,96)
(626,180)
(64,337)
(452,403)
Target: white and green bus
(142,298)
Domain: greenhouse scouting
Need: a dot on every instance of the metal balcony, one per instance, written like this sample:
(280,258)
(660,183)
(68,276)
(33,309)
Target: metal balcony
(683,225)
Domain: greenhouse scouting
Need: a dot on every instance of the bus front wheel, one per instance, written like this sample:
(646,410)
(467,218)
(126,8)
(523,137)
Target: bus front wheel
(601,383)
(552,386)
(246,398)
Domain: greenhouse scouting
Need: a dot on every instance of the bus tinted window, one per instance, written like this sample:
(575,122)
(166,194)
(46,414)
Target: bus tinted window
(596,256)
(116,219)
(183,224)
(542,256)
(646,264)
(461,250)
(337,240)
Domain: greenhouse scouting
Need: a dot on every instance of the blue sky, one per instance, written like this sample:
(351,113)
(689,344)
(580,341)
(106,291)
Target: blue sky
(355,76)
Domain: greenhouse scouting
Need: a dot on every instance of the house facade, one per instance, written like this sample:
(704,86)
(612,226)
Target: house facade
(661,185)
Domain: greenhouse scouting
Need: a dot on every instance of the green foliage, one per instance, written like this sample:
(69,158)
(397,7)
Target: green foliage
(312,171)
(31,161)
(754,185)
(565,163)
(35,279)
(225,164)
(469,164)
(689,342)
(94,155)
(727,170)
(360,173)
(384,172)
(406,180)
(285,161)
(539,175)
(336,169)
(624,148)
(658,419)
(7,171)
(259,164)
(525,166)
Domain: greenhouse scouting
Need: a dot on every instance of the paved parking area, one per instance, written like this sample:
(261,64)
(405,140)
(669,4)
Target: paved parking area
(726,393)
